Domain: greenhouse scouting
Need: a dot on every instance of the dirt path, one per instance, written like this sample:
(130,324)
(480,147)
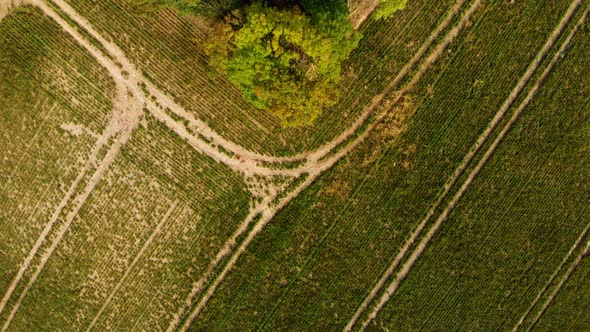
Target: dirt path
(359,15)
(424,242)
(139,255)
(7,5)
(563,280)
(136,78)
(552,278)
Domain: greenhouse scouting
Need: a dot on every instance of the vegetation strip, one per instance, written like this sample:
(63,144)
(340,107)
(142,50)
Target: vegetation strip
(422,245)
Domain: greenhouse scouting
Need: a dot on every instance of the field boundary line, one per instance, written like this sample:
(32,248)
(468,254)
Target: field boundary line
(563,280)
(139,255)
(424,242)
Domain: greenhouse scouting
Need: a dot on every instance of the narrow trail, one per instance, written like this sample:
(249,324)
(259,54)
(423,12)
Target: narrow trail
(574,247)
(225,251)
(424,242)
(563,280)
(319,166)
(359,15)
(139,255)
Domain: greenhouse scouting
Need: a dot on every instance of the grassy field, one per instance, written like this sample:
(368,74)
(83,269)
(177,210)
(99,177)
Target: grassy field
(48,83)
(114,218)
(315,262)
(517,221)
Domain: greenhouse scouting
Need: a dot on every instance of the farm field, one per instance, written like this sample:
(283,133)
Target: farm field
(447,189)
(487,264)
(51,110)
(568,309)
(164,48)
(329,245)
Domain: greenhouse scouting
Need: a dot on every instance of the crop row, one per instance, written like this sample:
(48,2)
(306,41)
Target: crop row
(116,221)
(517,221)
(331,244)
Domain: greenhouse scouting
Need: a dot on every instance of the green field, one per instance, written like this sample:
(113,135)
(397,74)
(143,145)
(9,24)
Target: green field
(118,211)
(517,221)
(39,159)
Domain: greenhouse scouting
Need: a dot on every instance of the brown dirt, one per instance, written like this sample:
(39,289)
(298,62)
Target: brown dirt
(361,11)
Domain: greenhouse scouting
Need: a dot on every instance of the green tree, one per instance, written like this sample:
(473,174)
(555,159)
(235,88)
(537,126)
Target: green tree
(283,60)
(388,7)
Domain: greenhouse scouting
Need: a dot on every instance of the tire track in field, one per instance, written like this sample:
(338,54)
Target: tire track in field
(379,99)
(364,10)
(139,255)
(563,280)
(481,140)
(122,123)
(111,130)
(133,79)
(316,170)
(553,276)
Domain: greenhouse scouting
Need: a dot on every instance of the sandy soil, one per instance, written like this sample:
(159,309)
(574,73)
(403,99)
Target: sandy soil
(361,12)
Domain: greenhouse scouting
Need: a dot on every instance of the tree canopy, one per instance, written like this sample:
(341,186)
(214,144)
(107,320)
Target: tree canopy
(389,7)
(282,61)
(284,55)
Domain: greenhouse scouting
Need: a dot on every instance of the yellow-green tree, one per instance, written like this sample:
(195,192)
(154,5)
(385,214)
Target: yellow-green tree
(389,7)
(283,60)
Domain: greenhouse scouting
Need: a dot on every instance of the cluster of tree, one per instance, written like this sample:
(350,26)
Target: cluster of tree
(388,7)
(283,60)
(284,55)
